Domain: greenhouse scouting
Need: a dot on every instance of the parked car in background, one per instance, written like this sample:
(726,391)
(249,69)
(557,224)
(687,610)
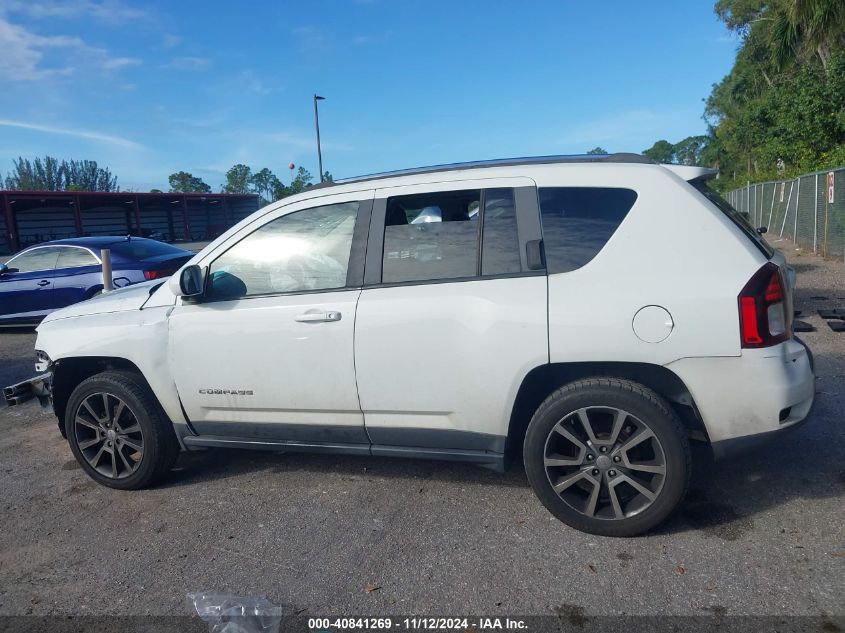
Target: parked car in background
(56,274)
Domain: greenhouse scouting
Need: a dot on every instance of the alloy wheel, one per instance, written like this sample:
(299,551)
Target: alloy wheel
(108,435)
(604,462)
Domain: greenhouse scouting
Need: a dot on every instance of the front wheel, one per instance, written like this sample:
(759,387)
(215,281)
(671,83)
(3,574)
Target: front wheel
(117,431)
(607,456)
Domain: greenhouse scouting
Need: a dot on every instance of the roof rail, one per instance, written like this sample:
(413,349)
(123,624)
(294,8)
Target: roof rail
(504,162)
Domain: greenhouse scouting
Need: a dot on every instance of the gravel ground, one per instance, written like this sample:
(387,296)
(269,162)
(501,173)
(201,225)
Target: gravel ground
(762,534)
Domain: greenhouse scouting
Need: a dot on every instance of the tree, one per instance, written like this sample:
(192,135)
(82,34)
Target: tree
(598,150)
(280,190)
(782,102)
(783,98)
(789,31)
(238,179)
(662,151)
(51,175)
(688,151)
(302,180)
(183,182)
(267,185)
(88,176)
(820,25)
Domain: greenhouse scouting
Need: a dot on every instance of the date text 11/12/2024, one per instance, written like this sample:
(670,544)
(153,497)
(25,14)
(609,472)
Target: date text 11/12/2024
(416,623)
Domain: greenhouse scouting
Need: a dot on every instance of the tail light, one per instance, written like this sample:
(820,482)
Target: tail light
(764,318)
(158,274)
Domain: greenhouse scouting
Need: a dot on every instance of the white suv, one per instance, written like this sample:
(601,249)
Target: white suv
(595,314)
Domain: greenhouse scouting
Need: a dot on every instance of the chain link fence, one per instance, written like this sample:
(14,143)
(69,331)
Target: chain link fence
(809,209)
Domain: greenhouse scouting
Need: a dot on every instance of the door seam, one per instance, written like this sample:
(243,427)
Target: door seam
(355,368)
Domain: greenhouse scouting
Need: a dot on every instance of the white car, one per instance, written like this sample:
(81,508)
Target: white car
(594,314)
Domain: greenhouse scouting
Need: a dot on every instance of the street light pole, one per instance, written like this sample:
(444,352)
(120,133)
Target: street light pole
(317,125)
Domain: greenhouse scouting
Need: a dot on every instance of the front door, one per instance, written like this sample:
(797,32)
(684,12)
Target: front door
(267,354)
(26,289)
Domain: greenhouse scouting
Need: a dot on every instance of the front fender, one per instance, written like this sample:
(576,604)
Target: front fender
(139,337)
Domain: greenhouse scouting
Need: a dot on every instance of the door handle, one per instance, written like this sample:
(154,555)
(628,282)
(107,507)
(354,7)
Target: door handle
(319,317)
(43,283)
(535,255)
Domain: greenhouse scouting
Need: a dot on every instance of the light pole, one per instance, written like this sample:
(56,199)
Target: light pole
(317,125)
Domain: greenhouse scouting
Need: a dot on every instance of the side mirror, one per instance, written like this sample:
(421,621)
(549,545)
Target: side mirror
(189,282)
(762,230)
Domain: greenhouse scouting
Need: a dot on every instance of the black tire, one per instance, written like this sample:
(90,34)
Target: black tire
(156,434)
(647,411)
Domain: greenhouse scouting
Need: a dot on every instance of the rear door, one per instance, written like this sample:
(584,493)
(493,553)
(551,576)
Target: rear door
(452,315)
(77,270)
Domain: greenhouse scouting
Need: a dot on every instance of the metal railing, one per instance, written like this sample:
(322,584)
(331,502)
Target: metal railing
(809,209)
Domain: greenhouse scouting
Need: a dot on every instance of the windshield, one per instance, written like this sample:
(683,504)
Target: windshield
(140,249)
(737,217)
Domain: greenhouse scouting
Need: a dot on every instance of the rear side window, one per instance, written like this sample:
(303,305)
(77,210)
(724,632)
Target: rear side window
(74,257)
(578,222)
(431,236)
(438,235)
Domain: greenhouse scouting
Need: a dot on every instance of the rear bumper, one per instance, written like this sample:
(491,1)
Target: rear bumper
(745,400)
(738,445)
(40,387)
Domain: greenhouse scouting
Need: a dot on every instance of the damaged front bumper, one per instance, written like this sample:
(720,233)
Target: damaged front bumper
(40,387)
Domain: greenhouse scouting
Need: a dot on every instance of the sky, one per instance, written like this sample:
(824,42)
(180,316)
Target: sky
(151,88)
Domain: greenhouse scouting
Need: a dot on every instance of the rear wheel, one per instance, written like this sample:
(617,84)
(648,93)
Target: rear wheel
(118,433)
(607,456)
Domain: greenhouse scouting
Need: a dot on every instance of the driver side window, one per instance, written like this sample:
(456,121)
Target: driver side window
(303,251)
(36,260)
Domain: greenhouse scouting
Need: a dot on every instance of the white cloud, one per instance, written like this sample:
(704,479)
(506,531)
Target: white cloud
(24,52)
(79,133)
(311,38)
(188,63)
(253,82)
(107,11)
(171,41)
(116,63)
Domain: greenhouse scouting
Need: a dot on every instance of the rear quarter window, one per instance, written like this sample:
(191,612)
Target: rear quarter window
(578,222)
(741,220)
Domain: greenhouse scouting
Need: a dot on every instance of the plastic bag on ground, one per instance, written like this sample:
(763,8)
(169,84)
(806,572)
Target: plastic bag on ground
(235,614)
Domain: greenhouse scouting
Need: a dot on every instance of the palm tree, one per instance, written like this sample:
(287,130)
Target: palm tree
(824,22)
(802,28)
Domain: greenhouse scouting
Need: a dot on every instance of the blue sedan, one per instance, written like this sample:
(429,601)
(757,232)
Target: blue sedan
(56,274)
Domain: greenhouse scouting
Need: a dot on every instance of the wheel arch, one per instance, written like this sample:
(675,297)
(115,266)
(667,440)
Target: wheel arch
(69,372)
(544,379)
(92,291)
